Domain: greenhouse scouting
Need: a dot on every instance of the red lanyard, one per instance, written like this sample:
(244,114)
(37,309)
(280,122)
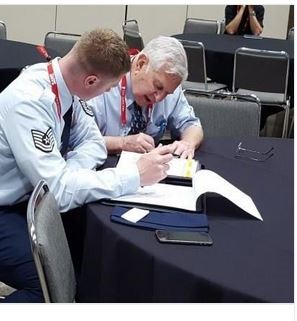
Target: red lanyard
(123,101)
(124,106)
(43,52)
(54,86)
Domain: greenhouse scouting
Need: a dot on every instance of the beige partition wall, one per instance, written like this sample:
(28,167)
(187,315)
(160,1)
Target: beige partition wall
(28,23)
(157,20)
(276,21)
(80,18)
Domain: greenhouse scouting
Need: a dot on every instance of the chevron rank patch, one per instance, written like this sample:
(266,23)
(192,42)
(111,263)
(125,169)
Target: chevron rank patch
(43,141)
(87,109)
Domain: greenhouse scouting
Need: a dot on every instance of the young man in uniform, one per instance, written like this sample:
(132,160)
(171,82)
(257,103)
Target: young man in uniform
(47,131)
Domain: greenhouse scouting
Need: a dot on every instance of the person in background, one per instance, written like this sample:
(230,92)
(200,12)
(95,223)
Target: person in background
(244,19)
(47,131)
(134,115)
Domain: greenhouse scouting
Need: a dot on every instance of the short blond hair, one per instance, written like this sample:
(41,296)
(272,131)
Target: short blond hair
(102,51)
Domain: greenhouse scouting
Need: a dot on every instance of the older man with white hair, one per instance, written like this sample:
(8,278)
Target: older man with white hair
(134,115)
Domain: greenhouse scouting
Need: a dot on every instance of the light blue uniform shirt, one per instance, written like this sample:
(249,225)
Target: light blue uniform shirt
(28,107)
(172,113)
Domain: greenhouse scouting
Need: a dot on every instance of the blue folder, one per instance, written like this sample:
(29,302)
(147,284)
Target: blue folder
(183,221)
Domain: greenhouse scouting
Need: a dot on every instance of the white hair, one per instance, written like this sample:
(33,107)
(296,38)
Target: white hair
(168,53)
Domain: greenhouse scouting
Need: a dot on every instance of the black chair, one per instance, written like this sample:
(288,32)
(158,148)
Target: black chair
(50,247)
(197,77)
(193,25)
(290,35)
(3,30)
(60,42)
(225,114)
(263,73)
(133,39)
(131,25)
(222,26)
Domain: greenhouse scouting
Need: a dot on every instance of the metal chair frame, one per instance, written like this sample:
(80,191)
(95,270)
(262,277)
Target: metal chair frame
(201,59)
(290,35)
(130,24)
(40,190)
(265,56)
(70,38)
(38,194)
(134,35)
(3,30)
(203,22)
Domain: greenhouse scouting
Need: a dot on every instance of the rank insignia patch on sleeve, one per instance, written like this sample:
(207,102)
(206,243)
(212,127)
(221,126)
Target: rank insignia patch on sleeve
(43,141)
(87,109)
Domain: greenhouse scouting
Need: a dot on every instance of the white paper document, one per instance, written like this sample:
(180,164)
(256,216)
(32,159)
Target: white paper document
(134,215)
(177,166)
(185,197)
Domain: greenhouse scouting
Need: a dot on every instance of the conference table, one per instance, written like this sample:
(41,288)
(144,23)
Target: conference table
(220,49)
(14,56)
(249,261)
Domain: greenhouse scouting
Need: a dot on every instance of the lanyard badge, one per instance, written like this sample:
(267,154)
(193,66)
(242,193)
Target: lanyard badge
(124,105)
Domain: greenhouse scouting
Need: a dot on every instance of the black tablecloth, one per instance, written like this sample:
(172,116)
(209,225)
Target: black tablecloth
(220,51)
(250,260)
(14,56)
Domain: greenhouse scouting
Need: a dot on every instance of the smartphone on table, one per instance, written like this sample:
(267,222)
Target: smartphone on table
(184,237)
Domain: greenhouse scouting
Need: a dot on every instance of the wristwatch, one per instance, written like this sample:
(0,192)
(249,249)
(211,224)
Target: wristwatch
(253,13)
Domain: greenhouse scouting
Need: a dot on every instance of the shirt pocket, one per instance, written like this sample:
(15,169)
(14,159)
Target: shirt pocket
(157,130)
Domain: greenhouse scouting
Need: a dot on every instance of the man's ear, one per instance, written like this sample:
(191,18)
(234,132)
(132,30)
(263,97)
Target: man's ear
(91,80)
(142,60)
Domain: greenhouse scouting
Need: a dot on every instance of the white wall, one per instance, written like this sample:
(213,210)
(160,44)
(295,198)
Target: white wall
(155,20)
(29,23)
(77,19)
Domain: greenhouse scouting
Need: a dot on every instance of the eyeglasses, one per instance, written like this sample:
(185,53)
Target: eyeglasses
(258,156)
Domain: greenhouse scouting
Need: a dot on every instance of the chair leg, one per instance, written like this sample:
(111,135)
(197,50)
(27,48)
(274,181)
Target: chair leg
(291,128)
(286,119)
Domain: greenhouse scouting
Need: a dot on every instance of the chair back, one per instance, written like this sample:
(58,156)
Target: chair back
(291,34)
(193,25)
(261,70)
(223,115)
(3,30)
(131,25)
(222,26)
(133,39)
(50,247)
(196,61)
(60,42)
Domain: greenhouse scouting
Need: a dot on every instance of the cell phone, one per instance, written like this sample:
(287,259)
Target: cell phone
(252,36)
(184,237)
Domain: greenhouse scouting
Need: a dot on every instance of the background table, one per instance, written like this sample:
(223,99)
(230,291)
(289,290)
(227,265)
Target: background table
(250,260)
(220,49)
(14,56)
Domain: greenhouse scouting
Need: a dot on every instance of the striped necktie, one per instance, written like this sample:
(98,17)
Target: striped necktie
(138,122)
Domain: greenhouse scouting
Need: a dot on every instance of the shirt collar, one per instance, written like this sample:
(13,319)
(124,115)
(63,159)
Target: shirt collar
(129,92)
(64,93)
